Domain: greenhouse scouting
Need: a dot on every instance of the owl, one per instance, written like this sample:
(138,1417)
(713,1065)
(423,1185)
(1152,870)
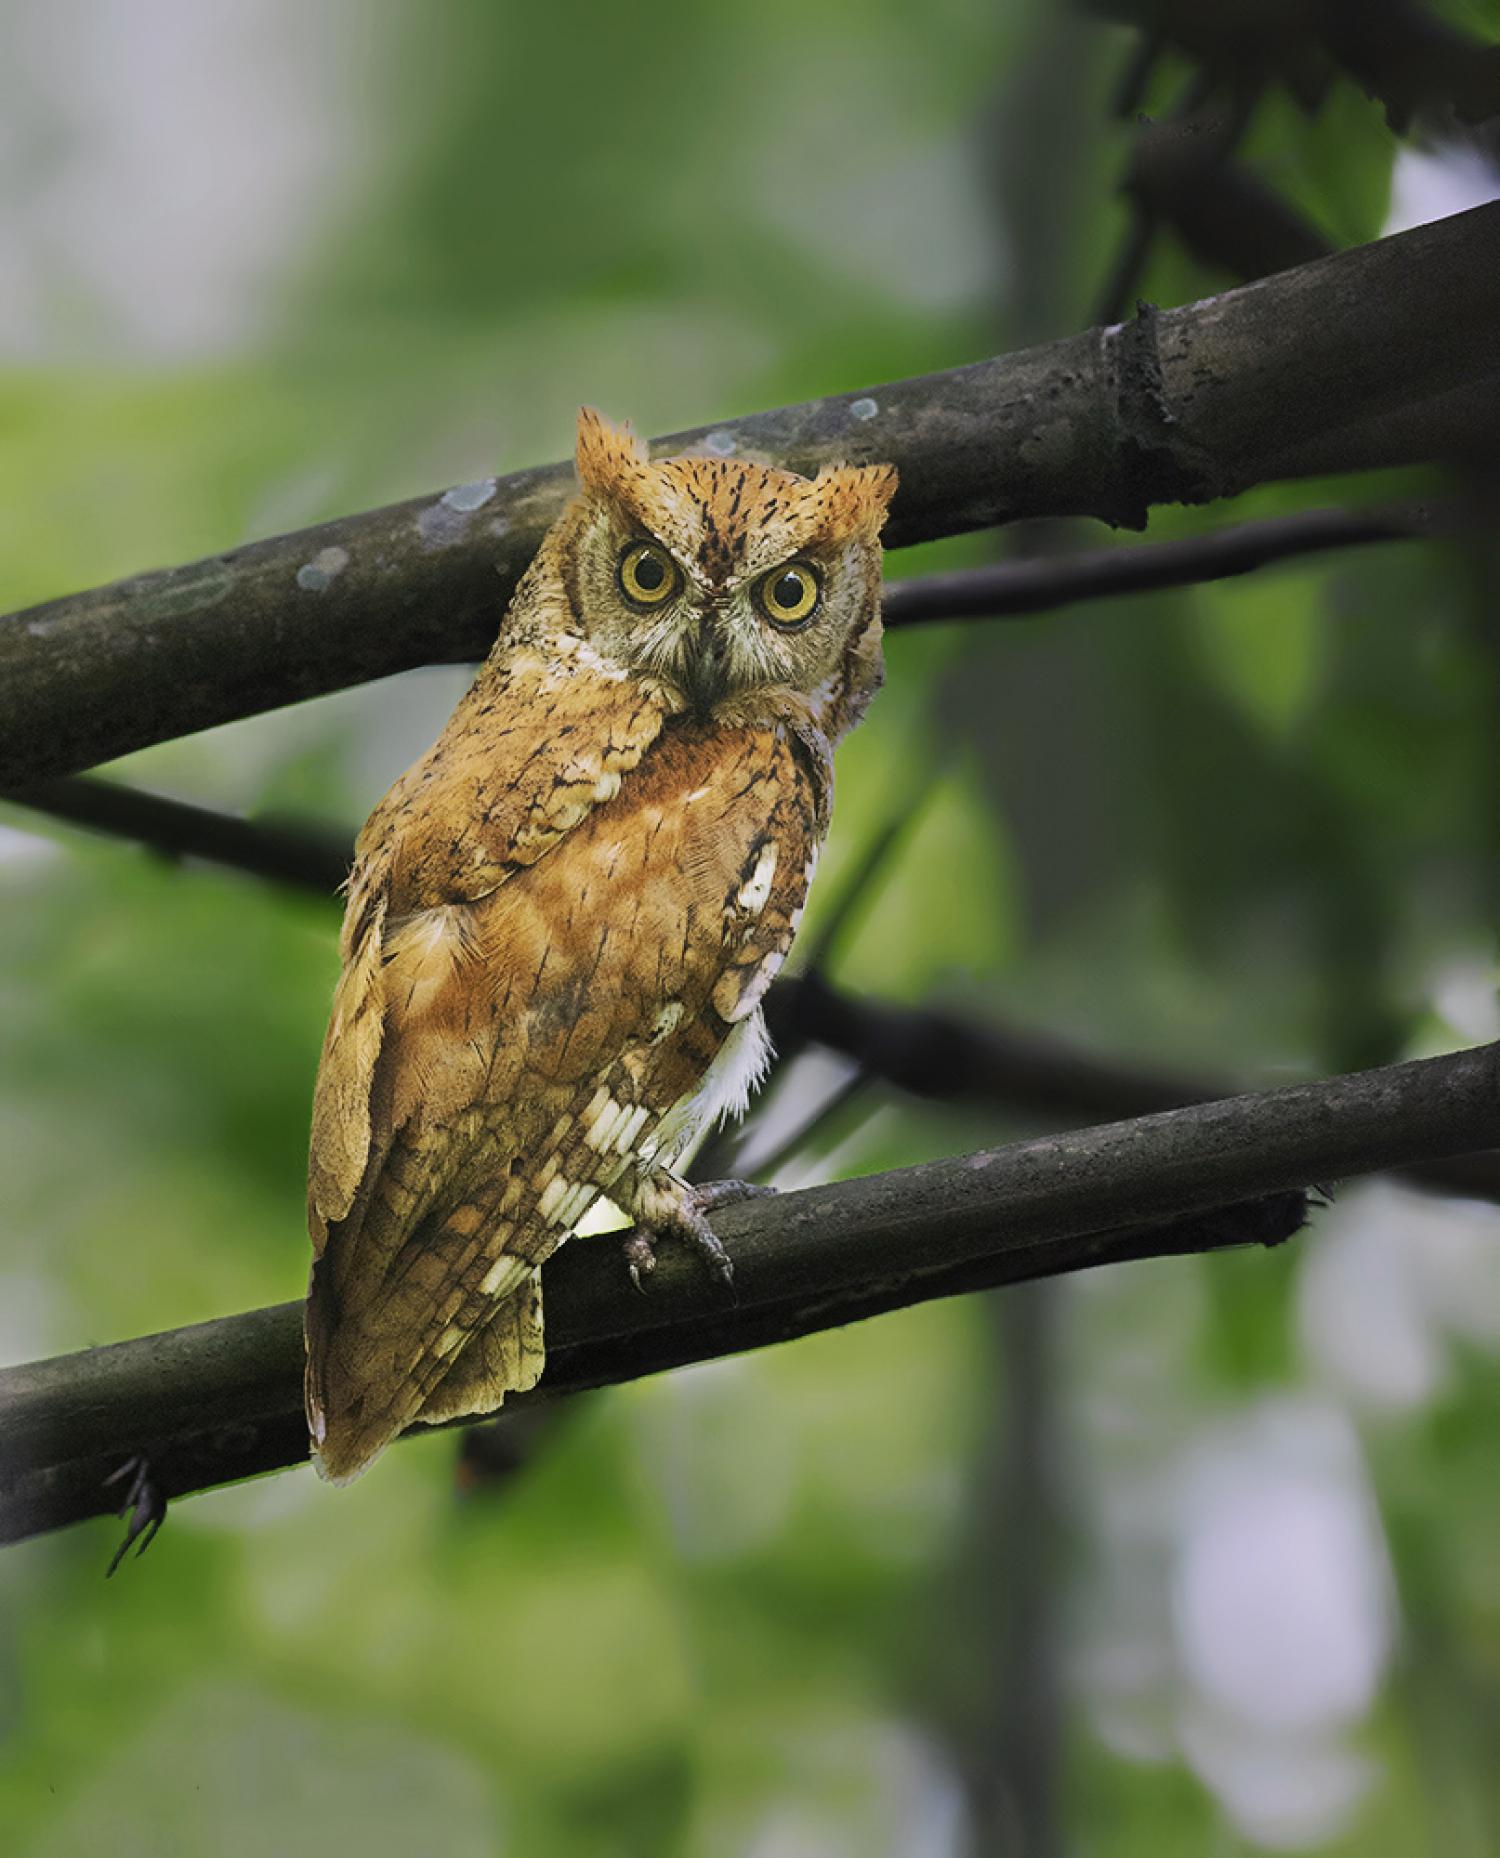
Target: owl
(561,921)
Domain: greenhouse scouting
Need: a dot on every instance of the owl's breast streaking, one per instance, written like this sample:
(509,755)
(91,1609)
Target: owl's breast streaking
(656,927)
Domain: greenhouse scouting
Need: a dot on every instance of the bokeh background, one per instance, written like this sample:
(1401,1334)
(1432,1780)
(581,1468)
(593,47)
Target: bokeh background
(1198,1556)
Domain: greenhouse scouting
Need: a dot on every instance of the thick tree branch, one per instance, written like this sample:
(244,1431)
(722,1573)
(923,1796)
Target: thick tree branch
(221,1400)
(951,1057)
(319,859)
(1385,355)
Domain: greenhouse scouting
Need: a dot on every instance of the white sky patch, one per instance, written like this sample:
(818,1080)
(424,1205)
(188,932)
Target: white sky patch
(1466,995)
(1429,184)
(873,1789)
(1281,1593)
(1391,1278)
(17,846)
(1285,1793)
(164,166)
(813,1079)
(1283,1610)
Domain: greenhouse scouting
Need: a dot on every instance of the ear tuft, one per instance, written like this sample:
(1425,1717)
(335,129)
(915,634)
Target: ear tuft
(879,484)
(857,497)
(605,453)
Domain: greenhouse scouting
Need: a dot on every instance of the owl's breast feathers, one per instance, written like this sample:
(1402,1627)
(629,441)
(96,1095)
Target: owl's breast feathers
(557,920)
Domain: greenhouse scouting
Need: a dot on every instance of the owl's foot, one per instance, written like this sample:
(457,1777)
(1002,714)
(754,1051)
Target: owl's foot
(145,1504)
(709,1196)
(664,1205)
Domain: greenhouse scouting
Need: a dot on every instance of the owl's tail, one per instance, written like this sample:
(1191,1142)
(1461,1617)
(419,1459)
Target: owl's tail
(355,1403)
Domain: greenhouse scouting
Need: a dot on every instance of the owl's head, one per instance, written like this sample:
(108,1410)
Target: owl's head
(727,580)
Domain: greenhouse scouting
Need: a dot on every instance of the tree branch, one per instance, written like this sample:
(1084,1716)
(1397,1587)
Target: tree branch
(932,1052)
(223,1399)
(1385,355)
(1041,584)
(1401,51)
(286,851)
(927,1051)
(317,857)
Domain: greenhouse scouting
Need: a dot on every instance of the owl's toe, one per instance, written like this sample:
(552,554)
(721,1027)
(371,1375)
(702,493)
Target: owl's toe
(702,1237)
(145,1505)
(709,1196)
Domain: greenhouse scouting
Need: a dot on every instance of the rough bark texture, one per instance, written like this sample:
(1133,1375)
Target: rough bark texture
(1388,354)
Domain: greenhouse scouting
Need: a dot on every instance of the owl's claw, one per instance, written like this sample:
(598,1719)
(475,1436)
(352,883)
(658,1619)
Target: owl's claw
(640,1257)
(145,1504)
(705,1241)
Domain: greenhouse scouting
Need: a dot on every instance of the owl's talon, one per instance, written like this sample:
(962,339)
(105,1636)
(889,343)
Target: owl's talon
(716,1255)
(640,1257)
(708,1197)
(145,1504)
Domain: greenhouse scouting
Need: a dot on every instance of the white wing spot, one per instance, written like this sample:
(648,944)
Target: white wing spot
(755,892)
(631,1127)
(600,1124)
(666,1022)
(502,1274)
(580,1198)
(548,1207)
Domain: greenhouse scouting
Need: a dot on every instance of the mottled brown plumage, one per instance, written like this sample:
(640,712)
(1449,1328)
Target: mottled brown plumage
(562,919)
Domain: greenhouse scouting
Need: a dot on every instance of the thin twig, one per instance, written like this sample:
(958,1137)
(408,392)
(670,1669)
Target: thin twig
(1016,589)
(928,1051)
(306,857)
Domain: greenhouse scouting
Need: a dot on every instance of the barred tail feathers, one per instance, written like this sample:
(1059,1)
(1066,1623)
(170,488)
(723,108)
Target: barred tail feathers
(376,1364)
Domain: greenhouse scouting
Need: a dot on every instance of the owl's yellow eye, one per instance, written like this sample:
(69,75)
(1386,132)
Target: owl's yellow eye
(788,595)
(648,574)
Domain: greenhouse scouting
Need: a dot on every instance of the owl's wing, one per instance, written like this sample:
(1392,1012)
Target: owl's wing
(536,1039)
(340,1144)
(537,742)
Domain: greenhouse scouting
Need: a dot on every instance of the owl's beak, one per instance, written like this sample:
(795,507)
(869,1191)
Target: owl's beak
(707,670)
